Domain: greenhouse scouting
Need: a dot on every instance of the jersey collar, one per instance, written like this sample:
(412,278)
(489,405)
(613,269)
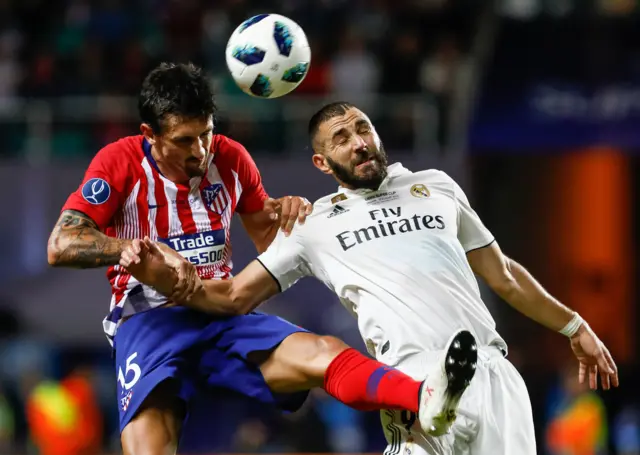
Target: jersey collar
(193,182)
(394,170)
(146,148)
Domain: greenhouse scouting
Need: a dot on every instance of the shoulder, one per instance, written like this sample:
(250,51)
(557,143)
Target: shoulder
(129,147)
(326,202)
(232,159)
(430,176)
(121,153)
(432,179)
(117,164)
(230,152)
(325,209)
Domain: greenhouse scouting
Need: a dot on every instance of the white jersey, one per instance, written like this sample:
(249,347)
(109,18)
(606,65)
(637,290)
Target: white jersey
(396,259)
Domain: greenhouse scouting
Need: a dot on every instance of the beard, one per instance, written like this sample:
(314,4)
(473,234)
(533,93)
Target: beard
(195,167)
(369,179)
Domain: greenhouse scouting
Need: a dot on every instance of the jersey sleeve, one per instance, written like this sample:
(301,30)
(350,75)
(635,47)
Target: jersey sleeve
(472,233)
(102,191)
(253,192)
(285,261)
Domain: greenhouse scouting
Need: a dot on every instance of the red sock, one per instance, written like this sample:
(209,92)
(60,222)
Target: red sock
(368,385)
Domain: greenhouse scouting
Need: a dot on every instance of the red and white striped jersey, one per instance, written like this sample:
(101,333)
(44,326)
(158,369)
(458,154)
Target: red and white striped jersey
(124,192)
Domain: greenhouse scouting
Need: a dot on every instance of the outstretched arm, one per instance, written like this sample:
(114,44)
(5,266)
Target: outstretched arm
(516,286)
(239,295)
(76,241)
(159,266)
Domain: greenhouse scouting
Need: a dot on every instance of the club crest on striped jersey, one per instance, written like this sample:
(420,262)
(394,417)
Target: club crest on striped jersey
(215,198)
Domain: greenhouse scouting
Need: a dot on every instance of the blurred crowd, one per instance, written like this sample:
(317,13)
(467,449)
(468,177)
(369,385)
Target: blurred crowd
(91,47)
(360,49)
(373,52)
(61,399)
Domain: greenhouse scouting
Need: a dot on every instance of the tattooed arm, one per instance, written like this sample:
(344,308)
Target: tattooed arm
(76,241)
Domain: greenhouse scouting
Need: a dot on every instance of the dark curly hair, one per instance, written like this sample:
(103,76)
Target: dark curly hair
(175,89)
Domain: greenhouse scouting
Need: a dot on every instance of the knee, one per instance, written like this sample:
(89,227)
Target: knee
(323,350)
(300,362)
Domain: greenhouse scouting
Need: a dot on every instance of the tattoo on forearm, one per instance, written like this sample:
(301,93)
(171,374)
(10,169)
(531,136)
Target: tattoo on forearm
(79,242)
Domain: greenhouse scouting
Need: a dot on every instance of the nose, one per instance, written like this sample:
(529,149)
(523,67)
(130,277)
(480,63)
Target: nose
(198,149)
(359,143)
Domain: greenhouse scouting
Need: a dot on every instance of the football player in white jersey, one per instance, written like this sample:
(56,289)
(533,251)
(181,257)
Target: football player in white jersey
(401,251)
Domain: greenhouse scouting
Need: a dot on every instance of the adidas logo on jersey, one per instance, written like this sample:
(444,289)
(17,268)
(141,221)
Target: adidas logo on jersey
(337,210)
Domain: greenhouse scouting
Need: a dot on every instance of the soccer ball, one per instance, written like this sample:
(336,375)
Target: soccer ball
(268,55)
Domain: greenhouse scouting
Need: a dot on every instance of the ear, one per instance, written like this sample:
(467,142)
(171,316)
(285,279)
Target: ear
(148,133)
(320,162)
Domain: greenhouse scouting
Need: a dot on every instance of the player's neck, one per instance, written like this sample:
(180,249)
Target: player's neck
(357,188)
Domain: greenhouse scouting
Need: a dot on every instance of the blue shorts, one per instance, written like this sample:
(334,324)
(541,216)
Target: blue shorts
(199,352)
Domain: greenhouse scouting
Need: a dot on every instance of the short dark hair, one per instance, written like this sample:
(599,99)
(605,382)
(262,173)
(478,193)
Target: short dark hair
(326,112)
(175,89)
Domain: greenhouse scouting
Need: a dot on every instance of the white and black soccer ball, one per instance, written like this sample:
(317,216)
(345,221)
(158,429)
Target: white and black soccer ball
(268,55)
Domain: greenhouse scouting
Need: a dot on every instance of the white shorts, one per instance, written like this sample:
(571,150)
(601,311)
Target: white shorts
(494,415)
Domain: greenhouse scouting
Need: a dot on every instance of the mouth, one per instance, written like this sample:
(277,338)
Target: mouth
(366,163)
(194,162)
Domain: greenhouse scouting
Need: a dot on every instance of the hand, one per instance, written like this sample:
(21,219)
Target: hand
(594,357)
(288,209)
(159,266)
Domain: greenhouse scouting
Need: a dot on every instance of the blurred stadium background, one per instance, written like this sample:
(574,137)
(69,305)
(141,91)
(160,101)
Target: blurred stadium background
(533,105)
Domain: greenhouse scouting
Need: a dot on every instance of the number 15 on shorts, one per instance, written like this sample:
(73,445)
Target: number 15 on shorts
(131,374)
